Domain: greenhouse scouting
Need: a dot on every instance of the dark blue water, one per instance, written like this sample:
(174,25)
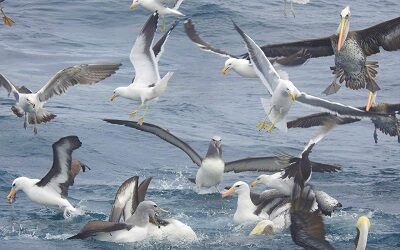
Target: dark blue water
(199,103)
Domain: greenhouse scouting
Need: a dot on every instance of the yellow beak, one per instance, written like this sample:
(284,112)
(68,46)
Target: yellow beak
(228,192)
(293,96)
(342,27)
(133,6)
(112,98)
(12,195)
(254,183)
(225,70)
(370,101)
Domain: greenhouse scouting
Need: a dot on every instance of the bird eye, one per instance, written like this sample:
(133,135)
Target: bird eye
(13,184)
(237,186)
(155,205)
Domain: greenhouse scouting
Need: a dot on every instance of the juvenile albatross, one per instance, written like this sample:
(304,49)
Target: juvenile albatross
(147,84)
(284,93)
(30,104)
(52,189)
(241,64)
(212,166)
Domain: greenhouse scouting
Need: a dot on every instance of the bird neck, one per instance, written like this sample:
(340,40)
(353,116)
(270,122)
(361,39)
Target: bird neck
(362,240)
(140,218)
(24,183)
(244,202)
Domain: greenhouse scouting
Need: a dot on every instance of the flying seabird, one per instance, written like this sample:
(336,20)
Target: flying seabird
(52,189)
(212,166)
(122,220)
(7,20)
(284,93)
(388,125)
(159,7)
(241,63)
(307,227)
(147,84)
(351,50)
(30,104)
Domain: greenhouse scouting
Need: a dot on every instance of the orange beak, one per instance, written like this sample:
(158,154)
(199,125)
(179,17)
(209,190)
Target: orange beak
(342,36)
(12,195)
(228,192)
(370,101)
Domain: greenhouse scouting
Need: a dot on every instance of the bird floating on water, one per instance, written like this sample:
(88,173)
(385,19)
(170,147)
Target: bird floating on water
(30,105)
(241,63)
(147,84)
(52,189)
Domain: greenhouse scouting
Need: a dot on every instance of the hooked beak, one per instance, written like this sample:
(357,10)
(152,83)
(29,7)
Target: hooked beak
(12,195)
(225,70)
(133,6)
(159,209)
(293,96)
(228,192)
(370,101)
(112,98)
(342,32)
(254,183)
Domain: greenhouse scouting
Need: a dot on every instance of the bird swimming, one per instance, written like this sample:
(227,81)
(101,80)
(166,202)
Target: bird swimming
(147,84)
(30,105)
(241,63)
(52,189)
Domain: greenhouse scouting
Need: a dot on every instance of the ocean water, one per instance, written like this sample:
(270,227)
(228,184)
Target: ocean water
(199,103)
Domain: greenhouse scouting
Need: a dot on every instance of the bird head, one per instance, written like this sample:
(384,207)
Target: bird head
(239,187)
(134,4)
(228,65)
(264,179)
(151,208)
(30,102)
(343,28)
(290,90)
(16,185)
(116,93)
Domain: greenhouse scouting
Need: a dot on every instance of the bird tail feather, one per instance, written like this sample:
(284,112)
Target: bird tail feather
(42,116)
(162,84)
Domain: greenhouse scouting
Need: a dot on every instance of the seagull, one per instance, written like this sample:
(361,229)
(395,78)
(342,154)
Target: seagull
(284,93)
(7,20)
(307,227)
(158,6)
(52,189)
(241,64)
(147,84)
(388,125)
(212,166)
(121,221)
(31,104)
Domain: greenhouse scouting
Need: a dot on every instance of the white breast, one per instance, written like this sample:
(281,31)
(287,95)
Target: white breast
(210,173)
(175,231)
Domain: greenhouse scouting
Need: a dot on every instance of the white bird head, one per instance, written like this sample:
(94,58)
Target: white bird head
(18,183)
(150,208)
(343,28)
(229,64)
(117,92)
(134,4)
(239,187)
(30,102)
(289,89)
(262,179)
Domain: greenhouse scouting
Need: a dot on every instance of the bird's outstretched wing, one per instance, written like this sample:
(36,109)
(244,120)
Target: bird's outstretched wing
(62,173)
(263,67)
(319,119)
(158,48)
(385,35)
(192,34)
(124,198)
(163,134)
(261,164)
(78,74)
(142,55)
(307,228)
(11,88)
(92,228)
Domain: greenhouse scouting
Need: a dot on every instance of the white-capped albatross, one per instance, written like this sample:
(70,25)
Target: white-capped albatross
(284,93)
(240,63)
(212,166)
(122,225)
(30,104)
(52,189)
(147,84)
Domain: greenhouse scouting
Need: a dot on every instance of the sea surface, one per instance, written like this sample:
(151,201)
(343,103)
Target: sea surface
(198,104)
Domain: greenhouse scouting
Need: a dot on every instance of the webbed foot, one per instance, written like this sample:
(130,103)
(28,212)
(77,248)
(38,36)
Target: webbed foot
(133,113)
(141,120)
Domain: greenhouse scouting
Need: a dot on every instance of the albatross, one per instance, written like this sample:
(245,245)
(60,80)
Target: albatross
(31,104)
(127,223)
(52,189)
(212,166)
(147,84)
(284,93)
(307,227)
(241,63)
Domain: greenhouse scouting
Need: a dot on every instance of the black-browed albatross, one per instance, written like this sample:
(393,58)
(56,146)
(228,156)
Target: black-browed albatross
(52,189)
(30,104)
(212,166)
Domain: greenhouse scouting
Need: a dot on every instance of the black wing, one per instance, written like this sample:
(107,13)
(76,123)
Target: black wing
(94,227)
(385,35)
(307,228)
(163,134)
(61,176)
(320,119)
(158,48)
(262,164)
(124,200)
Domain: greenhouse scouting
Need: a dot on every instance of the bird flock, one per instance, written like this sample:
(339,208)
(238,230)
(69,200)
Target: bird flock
(290,203)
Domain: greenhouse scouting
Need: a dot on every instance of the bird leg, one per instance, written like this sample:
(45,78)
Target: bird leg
(134,112)
(34,126)
(375,136)
(263,124)
(163,26)
(25,121)
(292,9)
(141,119)
(7,20)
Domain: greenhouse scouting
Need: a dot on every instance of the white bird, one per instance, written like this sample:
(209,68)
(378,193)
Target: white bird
(30,104)
(241,64)
(52,189)
(125,223)
(284,93)
(147,84)
(159,7)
